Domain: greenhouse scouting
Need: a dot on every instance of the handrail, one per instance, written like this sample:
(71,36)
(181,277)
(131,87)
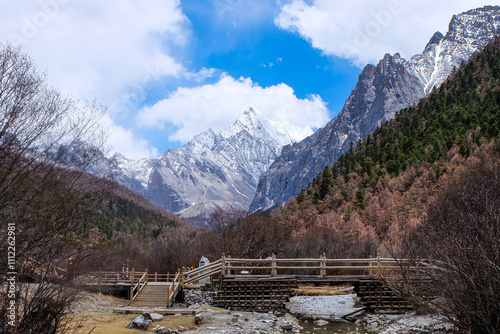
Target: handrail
(371,266)
(322,266)
(205,273)
(159,277)
(143,281)
(191,273)
(172,290)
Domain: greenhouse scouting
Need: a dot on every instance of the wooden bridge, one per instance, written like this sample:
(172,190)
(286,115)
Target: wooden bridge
(262,284)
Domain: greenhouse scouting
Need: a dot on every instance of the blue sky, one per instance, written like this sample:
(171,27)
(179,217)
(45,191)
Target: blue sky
(169,69)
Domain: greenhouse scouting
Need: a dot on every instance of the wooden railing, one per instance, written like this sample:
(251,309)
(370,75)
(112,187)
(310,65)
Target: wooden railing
(156,277)
(197,274)
(137,288)
(319,267)
(272,266)
(110,277)
(172,289)
(227,266)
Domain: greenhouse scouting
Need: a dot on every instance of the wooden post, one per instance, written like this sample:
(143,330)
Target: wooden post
(378,263)
(132,276)
(229,265)
(223,265)
(274,270)
(71,269)
(322,272)
(168,296)
(131,294)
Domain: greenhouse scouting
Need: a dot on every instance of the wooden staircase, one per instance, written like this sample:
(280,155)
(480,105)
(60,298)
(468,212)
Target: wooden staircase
(154,294)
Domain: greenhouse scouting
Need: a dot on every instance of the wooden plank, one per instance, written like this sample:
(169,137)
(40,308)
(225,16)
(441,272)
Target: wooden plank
(159,310)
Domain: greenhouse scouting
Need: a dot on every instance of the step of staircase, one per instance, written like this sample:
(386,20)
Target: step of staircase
(154,294)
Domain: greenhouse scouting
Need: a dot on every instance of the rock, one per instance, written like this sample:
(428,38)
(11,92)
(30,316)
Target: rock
(156,317)
(321,322)
(198,319)
(161,330)
(287,327)
(139,323)
(393,84)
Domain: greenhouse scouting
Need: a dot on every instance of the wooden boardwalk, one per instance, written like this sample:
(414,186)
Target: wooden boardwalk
(255,283)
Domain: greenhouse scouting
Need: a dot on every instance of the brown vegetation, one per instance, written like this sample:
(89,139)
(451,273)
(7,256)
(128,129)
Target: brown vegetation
(462,237)
(39,209)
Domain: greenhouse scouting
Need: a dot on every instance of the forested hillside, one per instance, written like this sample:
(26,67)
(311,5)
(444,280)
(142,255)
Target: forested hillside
(388,180)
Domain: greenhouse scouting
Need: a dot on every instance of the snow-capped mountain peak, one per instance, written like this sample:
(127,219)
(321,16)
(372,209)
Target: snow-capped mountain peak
(382,90)
(214,168)
(281,131)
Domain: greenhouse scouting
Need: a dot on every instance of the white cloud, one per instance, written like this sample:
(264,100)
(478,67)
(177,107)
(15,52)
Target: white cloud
(108,50)
(217,106)
(364,31)
(98,48)
(124,141)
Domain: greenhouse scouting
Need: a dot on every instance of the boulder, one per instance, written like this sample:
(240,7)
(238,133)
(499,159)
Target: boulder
(156,317)
(198,319)
(321,322)
(139,323)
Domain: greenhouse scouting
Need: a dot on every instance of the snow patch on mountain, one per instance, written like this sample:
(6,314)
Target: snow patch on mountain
(213,169)
(382,90)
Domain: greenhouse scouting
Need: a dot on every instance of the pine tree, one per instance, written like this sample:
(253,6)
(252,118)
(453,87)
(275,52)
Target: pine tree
(327,182)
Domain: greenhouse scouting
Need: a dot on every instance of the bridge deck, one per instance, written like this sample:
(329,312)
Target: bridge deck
(301,270)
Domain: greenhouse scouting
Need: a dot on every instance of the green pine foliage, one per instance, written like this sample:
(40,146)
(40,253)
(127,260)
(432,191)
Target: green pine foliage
(114,214)
(464,111)
(327,182)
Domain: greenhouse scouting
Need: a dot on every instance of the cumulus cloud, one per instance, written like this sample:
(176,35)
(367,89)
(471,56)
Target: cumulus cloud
(109,50)
(125,141)
(98,48)
(217,106)
(364,31)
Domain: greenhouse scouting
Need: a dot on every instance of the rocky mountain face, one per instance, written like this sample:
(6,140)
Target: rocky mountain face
(214,168)
(382,90)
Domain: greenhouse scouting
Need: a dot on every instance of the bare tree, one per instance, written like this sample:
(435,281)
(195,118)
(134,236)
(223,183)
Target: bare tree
(223,221)
(41,202)
(462,238)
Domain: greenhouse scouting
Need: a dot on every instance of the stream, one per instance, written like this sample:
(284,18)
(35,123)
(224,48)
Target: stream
(332,327)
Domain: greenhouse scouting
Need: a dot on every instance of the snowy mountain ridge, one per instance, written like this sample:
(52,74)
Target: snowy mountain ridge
(382,90)
(213,169)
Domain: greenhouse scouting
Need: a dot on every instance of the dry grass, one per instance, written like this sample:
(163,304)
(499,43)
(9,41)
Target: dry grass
(94,313)
(312,290)
(114,323)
